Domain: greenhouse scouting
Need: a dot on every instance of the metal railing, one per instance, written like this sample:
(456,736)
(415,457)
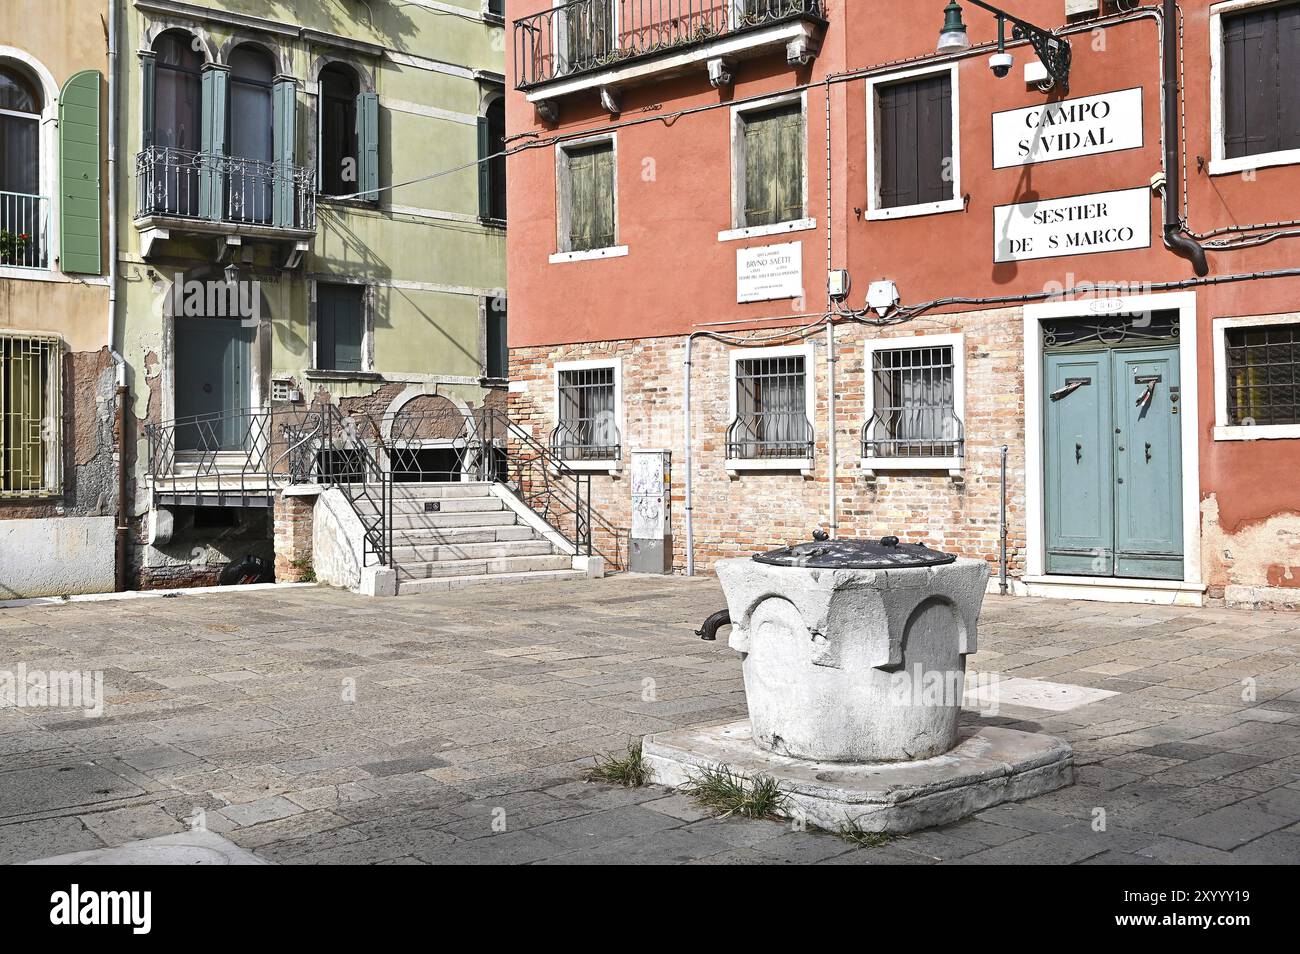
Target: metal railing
(585,35)
(914,413)
(24,230)
(774,435)
(243,454)
(189,184)
(253,454)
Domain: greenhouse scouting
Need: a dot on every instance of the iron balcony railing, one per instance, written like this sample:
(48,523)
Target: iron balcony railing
(774,435)
(196,185)
(585,35)
(24,230)
(586,440)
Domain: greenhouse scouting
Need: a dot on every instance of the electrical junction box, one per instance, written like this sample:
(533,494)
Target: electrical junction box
(651,544)
(882,296)
(838,284)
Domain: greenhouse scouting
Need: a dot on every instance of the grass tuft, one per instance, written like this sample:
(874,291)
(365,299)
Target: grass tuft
(854,834)
(627,770)
(725,792)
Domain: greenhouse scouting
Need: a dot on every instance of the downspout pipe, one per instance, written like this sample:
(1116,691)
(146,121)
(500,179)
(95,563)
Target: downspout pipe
(1176,238)
(122,392)
(686,438)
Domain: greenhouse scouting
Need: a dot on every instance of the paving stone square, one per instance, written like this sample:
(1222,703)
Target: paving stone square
(313,726)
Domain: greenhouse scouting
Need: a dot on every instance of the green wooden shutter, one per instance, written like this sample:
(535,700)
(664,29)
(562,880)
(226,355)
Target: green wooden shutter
(762,158)
(79,180)
(603,171)
(790,141)
(368,146)
(148,98)
(484,169)
(212,191)
(581,201)
(284,103)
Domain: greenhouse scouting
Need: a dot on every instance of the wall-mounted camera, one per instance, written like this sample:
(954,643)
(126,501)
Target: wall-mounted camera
(1000,64)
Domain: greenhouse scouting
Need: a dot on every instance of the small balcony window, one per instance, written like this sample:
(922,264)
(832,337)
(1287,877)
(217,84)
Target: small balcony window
(915,405)
(23,212)
(588,410)
(771,424)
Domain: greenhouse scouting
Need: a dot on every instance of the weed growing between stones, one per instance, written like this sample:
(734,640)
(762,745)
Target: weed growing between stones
(725,792)
(627,770)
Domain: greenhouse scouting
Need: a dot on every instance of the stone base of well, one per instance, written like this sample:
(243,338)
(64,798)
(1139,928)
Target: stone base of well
(990,765)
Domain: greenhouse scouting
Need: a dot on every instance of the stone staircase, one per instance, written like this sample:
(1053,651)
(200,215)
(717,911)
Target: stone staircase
(448,535)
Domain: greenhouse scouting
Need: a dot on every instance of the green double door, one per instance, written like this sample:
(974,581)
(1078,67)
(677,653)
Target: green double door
(1113,463)
(214,359)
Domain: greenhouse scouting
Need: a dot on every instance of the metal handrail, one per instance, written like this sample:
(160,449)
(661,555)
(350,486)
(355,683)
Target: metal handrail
(584,35)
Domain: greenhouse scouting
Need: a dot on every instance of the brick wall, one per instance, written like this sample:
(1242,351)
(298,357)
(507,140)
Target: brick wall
(293,532)
(736,515)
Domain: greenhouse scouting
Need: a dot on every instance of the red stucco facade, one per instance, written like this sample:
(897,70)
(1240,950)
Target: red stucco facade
(674,197)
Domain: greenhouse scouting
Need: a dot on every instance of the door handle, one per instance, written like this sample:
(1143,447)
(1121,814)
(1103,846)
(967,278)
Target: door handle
(1078,453)
(1148,452)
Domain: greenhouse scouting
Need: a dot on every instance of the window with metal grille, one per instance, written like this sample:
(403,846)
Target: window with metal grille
(914,405)
(1261,96)
(30,416)
(1263,366)
(587,198)
(588,428)
(773,141)
(771,411)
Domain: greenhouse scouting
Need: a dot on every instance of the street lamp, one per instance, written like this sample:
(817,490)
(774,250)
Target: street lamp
(1054,51)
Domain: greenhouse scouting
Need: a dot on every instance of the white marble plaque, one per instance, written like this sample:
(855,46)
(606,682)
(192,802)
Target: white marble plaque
(1075,225)
(1073,127)
(769,272)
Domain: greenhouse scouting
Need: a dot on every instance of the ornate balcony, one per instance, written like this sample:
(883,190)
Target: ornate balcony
(194,192)
(612,44)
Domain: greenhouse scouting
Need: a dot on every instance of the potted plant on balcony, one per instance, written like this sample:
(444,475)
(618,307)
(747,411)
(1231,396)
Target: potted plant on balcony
(14,247)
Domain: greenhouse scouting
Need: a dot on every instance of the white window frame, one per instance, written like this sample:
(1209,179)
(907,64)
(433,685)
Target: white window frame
(48,152)
(1224,430)
(738,228)
(367,327)
(806,351)
(563,195)
(957,203)
(1219,164)
(957,341)
(611,465)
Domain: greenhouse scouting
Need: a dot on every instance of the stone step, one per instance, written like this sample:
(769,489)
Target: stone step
(437,552)
(419,491)
(439,521)
(510,564)
(444,583)
(420,505)
(432,536)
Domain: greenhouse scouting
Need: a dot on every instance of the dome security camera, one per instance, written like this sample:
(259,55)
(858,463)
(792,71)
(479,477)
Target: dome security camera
(1000,64)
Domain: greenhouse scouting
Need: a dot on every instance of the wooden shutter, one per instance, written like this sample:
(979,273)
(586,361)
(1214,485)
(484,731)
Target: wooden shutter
(591,197)
(216,93)
(915,141)
(1261,92)
(484,170)
(284,109)
(340,326)
(79,175)
(148,97)
(498,353)
(774,161)
(368,145)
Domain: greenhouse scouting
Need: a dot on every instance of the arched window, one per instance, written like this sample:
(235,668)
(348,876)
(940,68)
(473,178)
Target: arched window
(21,208)
(339,156)
(494,198)
(177,130)
(177,92)
(252,152)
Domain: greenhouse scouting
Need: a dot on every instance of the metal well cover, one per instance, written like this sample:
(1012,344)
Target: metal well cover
(850,554)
